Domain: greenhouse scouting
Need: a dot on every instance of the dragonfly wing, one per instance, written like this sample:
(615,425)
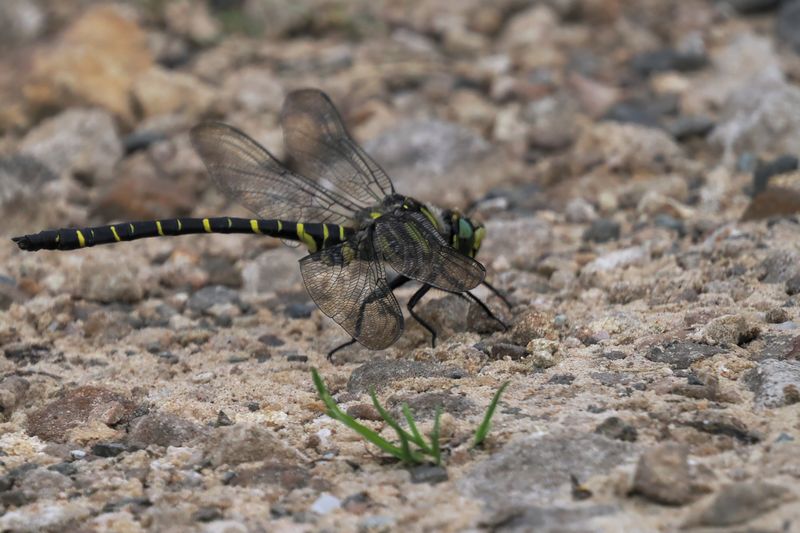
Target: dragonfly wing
(348,283)
(321,148)
(410,244)
(248,174)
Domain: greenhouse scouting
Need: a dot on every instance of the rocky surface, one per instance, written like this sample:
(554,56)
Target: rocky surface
(635,163)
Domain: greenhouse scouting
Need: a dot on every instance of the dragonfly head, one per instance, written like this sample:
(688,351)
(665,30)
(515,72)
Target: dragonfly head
(466,234)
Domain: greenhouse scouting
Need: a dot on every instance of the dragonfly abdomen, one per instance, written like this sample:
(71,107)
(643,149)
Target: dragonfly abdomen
(314,235)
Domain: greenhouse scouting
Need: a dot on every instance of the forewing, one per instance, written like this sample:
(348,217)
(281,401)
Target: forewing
(410,244)
(348,284)
(248,174)
(321,149)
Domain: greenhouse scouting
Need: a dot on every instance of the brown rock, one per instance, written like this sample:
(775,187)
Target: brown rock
(533,325)
(662,474)
(94,62)
(364,411)
(740,502)
(12,392)
(78,407)
(160,92)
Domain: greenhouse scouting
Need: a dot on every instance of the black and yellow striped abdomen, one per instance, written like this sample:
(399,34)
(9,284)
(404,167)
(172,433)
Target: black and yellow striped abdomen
(314,236)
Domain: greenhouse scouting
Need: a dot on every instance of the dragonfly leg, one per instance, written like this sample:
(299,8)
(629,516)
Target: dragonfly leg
(469,296)
(497,293)
(399,281)
(343,345)
(412,303)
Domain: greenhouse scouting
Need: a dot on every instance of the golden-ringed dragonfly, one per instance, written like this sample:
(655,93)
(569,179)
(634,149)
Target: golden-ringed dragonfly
(336,201)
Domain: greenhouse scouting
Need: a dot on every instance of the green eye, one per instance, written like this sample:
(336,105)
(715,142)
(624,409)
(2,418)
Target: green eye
(464,229)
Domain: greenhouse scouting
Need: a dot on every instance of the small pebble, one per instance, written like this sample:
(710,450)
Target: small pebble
(325,504)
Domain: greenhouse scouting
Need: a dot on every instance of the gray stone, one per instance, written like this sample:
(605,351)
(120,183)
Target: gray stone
(413,149)
(105,281)
(532,470)
(662,474)
(761,117)
(77,142)
(244,443)
(22,176)
(162,429)
(775,383)
(12,392)
(524,519)
(383,372)
(681,354)
(44,484)
(20,21)
(779,266)
(432,474)
(614,427)
(602,230)
(738,503)
(788,22)
(208,297)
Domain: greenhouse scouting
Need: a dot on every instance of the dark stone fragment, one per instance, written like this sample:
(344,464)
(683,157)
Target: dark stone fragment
(764,171)
(271,340)
(779,266)
(424,405)
(666,59)
(602,230)
(687,127)
(207,514)
(793,285)
(669,222)
(381,373)
(561,379)
(633,113)
(297,358)
(253,406)
(140,140)
(502,350)
(299,310)
(780,347)
(432,474)
(136,504)
(14,498)
(681,354)
(207,297)
(67,469)
(26,353)
(613,355)
(615,428)
(788,23)
(718,423)
(108,449)
(748,7)
(223,419)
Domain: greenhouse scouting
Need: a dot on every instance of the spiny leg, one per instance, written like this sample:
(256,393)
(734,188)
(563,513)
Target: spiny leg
(469,296)
(497,293)
(397,282)
(412,303)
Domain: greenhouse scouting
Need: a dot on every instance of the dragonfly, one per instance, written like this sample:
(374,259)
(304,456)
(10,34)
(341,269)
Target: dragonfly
(338,202)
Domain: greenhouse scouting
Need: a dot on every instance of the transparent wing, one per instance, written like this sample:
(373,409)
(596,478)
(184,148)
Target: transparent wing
(348,283)
(248,174)
(410,244)
(320,148)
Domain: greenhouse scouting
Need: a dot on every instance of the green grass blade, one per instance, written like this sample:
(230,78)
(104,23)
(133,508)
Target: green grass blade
(483,429)
(401,433)
(418,439)
(436,451)
(337,414)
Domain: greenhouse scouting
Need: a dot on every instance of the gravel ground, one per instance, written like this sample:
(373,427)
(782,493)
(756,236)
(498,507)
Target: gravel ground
(635,163)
